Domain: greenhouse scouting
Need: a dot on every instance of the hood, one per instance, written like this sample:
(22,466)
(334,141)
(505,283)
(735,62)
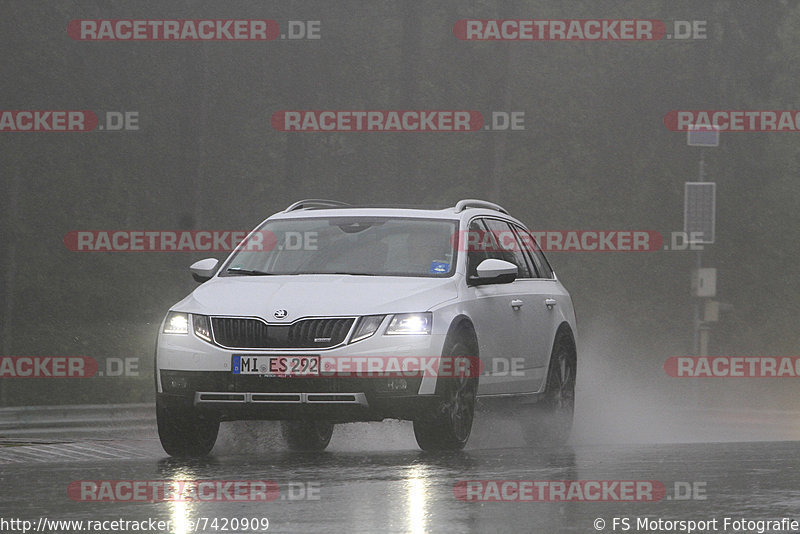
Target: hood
(316,295)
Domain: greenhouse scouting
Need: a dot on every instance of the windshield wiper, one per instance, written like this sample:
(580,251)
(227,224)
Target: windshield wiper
(248,272)
(352,274)
(337,272)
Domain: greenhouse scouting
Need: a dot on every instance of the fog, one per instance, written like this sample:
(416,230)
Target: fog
(595,154)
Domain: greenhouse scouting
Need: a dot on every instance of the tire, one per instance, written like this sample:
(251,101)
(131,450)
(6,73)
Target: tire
(307,435)
(550,422)
(449,429)
(184,433)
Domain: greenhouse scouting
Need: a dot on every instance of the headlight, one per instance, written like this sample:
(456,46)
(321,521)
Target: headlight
(176,323)
(410,323)
(201,327)
(367,326)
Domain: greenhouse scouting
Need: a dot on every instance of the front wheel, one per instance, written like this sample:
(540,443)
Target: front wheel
(307,435)
(449,429)
(185,433)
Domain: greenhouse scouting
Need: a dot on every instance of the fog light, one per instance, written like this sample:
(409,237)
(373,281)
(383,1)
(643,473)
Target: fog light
(176,383)
(397,384)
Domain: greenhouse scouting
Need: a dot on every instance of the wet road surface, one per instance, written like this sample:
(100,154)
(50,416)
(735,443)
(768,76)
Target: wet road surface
(373,479)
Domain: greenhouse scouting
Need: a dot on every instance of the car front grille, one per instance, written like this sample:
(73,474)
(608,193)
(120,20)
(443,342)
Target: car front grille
(246,333)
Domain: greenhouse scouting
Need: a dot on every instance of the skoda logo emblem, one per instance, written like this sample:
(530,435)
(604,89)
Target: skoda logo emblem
(281,314)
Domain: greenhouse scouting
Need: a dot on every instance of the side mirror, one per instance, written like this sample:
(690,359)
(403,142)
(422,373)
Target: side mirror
(494,271)
(204,269)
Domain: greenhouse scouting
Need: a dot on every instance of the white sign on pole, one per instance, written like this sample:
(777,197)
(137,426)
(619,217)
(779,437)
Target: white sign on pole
(704,282)
(702,135)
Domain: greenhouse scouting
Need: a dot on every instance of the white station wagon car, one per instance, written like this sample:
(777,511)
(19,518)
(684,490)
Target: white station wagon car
(329,313)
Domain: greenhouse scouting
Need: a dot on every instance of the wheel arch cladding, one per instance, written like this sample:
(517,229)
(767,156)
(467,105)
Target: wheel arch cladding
(564,331)
(462,328)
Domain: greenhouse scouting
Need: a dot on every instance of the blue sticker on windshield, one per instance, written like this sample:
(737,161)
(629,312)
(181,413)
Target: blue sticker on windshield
(439,267)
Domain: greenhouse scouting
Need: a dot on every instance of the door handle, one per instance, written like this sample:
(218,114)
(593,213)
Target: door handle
(549,303)
(516,304)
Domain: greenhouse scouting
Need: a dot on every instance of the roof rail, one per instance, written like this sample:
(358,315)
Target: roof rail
(315,203)
(461,205)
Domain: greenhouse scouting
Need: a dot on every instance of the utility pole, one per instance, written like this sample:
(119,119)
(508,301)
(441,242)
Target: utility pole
(699,225)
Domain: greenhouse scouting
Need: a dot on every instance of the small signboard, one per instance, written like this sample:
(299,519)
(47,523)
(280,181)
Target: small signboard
(702,135)
(699,212)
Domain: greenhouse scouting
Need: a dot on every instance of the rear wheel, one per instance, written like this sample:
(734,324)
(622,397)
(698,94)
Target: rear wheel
(452,424)
(551,420)
(185,433)
(307,435)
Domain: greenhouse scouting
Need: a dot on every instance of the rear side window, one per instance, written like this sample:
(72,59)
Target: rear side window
(534,252)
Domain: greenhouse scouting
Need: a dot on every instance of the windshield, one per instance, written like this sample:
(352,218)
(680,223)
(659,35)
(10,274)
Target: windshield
(373,246)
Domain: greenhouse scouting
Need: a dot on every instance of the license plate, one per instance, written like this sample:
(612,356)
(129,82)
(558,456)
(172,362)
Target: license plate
(277,365)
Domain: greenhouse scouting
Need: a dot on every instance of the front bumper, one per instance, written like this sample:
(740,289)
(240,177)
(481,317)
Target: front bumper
(192,373)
